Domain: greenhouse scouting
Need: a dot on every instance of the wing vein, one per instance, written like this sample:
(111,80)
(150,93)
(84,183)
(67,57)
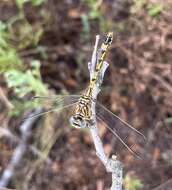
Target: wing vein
(51,110)
(126,124)
(114,133)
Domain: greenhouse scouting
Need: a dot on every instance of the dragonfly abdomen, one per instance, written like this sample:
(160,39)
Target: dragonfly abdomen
(103,51)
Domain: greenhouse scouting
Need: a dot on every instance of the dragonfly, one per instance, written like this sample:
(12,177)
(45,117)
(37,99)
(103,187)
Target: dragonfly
(82,115)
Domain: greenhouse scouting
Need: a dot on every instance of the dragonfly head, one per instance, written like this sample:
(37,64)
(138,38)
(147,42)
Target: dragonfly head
(78,122)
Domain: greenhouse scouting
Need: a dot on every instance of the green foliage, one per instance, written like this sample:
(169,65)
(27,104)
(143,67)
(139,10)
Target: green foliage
(93,8)
(17,34)
(42,51)
(20,3)
(86,26)
(9,60)
(94,13)
(138,5)
(37,2)
(3,35)
(132,183)
(8,55)
(169,120)
(21,105)
(154,9)
(26,82)
(22,33)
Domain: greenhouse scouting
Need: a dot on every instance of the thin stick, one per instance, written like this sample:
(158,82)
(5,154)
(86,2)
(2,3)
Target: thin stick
(112,165)
(18,152)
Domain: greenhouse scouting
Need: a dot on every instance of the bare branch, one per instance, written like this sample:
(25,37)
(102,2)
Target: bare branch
(25,129)
(112,165)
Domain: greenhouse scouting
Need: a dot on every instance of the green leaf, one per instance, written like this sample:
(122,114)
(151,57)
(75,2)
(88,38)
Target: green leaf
(26,82)
(155,9)
(132,182)
(94,14)
(3,26)
(37,2)
(137,5)
(86,25)
(9,60)
(169,120)
(20,3)
(20,105)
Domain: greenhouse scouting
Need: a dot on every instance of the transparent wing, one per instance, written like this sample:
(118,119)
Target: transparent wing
(124,132)
(56,111)
(55,103)
(58,98)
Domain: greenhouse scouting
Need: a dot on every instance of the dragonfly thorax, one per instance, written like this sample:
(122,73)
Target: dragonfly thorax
(83,113)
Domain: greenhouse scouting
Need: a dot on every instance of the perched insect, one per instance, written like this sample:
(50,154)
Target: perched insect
(82,115)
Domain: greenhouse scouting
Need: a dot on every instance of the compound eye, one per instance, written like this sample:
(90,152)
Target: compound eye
(78,122)
(108,40)
(79,118)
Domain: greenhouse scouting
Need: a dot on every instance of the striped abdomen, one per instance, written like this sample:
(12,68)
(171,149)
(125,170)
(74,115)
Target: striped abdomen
(103,50)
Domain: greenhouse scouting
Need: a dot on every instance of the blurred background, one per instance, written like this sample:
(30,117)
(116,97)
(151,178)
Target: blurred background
(45,46)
